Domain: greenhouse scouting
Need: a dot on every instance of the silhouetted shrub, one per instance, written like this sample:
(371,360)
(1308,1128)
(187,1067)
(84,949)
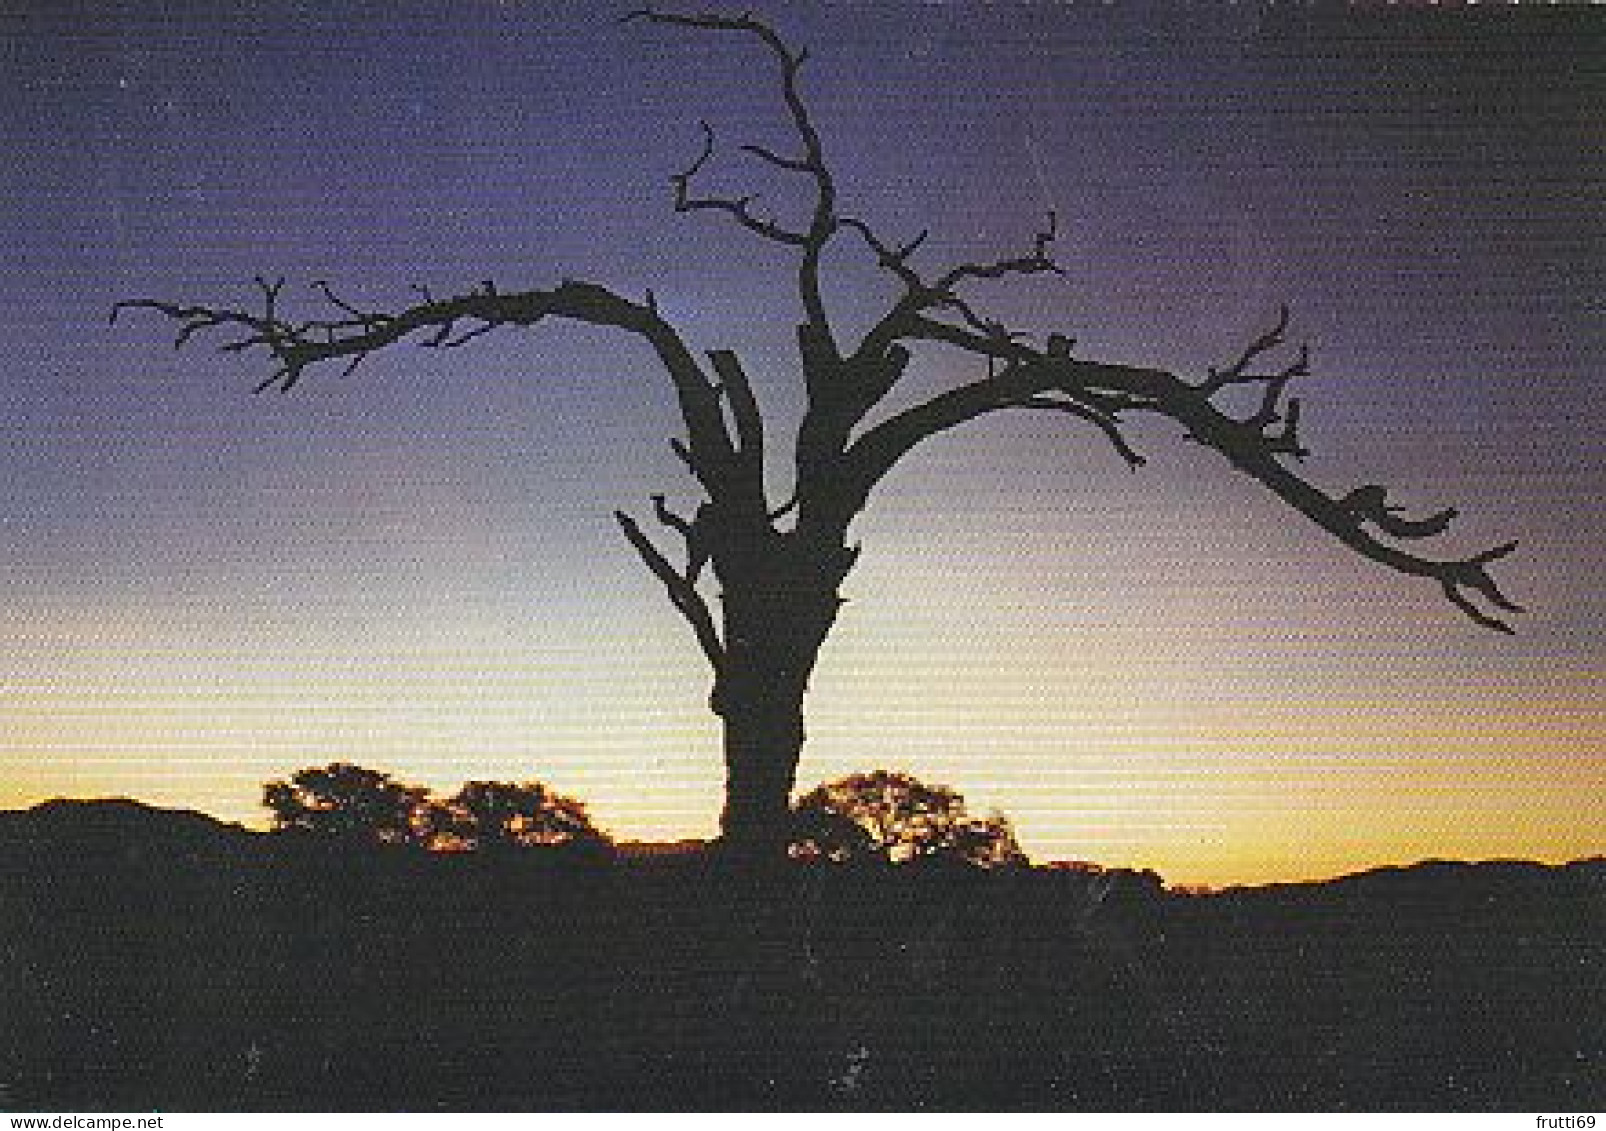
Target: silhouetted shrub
(894,818)
(487,816)
(350,803)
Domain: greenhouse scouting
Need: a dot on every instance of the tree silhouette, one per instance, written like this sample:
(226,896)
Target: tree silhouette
(777,567)
(349,803)
(489,816)
(822,835)
(895,818)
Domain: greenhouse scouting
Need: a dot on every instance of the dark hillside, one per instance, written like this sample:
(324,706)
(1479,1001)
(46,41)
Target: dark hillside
(161,960)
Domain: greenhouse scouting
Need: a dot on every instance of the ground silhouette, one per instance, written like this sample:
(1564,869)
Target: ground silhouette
(160,960)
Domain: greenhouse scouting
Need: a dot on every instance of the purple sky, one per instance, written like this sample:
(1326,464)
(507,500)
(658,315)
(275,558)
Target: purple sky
(416,569)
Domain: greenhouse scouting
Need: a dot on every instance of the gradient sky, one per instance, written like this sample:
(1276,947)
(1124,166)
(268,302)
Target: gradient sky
(415,568)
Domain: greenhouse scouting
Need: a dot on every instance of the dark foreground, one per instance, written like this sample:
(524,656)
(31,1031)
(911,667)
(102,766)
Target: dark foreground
(159,961)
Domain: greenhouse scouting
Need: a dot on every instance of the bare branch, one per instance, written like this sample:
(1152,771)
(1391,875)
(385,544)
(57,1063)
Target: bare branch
(921,295)
(822,221)
(1099,392)
(737,207)
(298,347)
(879,449)
(1471,574)
(682,593)
(894,259)
(791,62)
(984,341)
(1271,410)
(693,531)
(194,319)
(336,301)
(351,366)
(698,468)
(1370,504)
(744,407)
(1037,261)
(446,342)
(909,315)
(661,511)
(1106,423)
(1238,371)
(790,164)
(280,377)
(1347,517)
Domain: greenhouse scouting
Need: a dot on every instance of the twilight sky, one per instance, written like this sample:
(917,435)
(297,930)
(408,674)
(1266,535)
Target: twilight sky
(415,568)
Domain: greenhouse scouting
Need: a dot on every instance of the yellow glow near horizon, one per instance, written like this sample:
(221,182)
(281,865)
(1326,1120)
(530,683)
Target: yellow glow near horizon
(1101,741)
(415,569)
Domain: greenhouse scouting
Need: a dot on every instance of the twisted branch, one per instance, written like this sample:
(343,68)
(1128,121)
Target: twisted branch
(1035,262)
(909,314)
(837,471)
(298,347)
(822,220)
(1101,392)
(737,207)
(893,259)
(1272,409)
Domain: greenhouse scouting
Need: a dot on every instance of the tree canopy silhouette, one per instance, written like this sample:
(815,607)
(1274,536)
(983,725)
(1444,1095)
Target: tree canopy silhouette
(895,818)
(758,579)
(349,803)
(358,805)
(492,816)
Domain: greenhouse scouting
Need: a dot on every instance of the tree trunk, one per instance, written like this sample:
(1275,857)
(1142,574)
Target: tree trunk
(777,613)
(763,742)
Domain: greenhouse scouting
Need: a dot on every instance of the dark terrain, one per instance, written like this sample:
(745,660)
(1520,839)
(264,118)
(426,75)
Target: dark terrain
(159,960)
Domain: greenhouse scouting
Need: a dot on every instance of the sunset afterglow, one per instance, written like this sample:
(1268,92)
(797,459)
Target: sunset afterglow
(415,568)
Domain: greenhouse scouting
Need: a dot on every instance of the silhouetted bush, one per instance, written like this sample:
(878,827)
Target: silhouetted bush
(349,803)
(346,804)
(491,816)
(887,817)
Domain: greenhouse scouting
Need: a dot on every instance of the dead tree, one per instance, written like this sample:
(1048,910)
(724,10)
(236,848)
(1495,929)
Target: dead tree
(778,570)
